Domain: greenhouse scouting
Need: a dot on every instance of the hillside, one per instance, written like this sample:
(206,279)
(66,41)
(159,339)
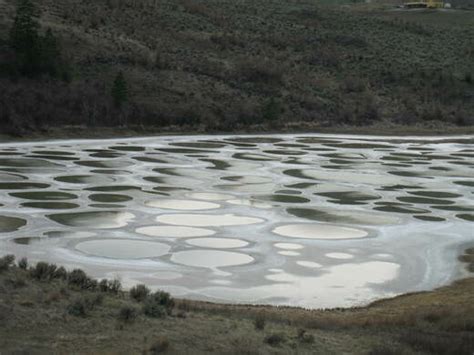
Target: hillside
(226,65)
(45,309)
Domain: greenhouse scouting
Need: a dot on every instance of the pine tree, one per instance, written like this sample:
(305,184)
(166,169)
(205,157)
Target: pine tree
(271,110)
(24,38)
(119,90)
(50,54)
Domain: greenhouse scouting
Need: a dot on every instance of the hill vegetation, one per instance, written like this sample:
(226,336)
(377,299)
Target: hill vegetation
(47,309)
(227,65)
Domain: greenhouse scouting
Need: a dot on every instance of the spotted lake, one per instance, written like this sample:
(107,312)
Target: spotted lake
(303,220)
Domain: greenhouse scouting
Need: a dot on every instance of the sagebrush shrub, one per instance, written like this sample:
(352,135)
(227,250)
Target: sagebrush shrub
(78,277)
(158,304)
(23,263)
(127,314)
(77,307)
(43,271)
(139,292)
(6,262)
(274,339)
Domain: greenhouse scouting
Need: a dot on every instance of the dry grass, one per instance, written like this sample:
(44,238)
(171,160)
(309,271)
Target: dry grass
(51,314)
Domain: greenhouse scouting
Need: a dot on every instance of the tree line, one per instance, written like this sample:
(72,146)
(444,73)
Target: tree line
(36,54)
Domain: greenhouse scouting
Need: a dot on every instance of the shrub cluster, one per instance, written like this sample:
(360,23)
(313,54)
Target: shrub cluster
(6,262)
(76,278)
(304,337)
(23,263)
(158,304)
(46,272)
(139,292)
(127,314)
(275,339)
(82,305)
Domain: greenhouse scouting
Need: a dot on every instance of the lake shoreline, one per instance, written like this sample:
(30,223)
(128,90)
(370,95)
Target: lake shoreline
(113,321)
(84,132)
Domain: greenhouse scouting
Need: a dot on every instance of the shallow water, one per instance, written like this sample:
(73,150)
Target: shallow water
(304,220)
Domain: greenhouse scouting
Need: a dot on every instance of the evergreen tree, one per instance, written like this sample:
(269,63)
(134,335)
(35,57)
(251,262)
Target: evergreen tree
(271,110)
(50,55)
(119,90)
(24,38)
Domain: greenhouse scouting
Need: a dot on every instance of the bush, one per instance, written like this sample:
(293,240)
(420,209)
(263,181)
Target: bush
(274,339)
(305,337)
(80,306)
(259,321)
(60,273)
(139,292)
(158,304)
(6,262)
(77,308)
(78,278)
(104,285)
(127,314)
(23,263)
(43,271)
(160,345)
(115,286)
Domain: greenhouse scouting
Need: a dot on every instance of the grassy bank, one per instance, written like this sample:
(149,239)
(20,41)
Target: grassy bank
(46,309)
(226,66)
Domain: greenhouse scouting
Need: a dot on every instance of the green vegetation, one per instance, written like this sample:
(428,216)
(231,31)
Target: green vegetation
(119,90)
(33,54)
(43,311)
(225,65)
(24,38)
(139,292)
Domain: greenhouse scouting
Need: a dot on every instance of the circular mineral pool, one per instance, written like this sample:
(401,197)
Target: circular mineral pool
(210,258)
(207,220)
(123,248)
(174,231)
(183,205)
(319,231)
(210,196)
(309,264)
(218,243)
(102,219)
(10,224)
(340,256)
(288,246)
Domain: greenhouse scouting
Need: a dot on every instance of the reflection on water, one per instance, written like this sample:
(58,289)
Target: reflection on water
(314,221)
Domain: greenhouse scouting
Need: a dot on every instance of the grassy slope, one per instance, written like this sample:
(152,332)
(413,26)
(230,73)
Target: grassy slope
(34,318)
(218,63)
